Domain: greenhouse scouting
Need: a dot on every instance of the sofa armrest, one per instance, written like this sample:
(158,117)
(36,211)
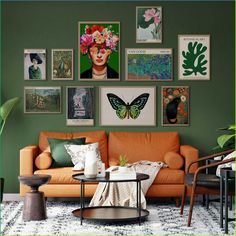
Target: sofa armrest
(190,154)
(27,157)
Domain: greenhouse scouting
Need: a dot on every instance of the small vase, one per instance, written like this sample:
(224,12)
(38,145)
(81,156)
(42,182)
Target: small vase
(90,168)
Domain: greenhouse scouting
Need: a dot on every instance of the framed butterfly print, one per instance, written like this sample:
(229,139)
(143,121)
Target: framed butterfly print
(128,106)
(175,105)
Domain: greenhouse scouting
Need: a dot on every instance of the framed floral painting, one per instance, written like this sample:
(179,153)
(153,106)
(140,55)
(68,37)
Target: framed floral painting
(80,105)
(175,105)
(42,99)
(148,24)
(149,64)
(99,50)
(194,57)
(35,64)
(128,106)
(62,64)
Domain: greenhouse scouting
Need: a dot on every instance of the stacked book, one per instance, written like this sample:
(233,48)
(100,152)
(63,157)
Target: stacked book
(122,175)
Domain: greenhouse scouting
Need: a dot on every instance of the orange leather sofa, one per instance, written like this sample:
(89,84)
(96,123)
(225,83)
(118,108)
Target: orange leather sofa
(151,146)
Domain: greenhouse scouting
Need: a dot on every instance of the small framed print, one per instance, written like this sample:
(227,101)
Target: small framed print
(42,99)
(35,64)
(99,50)
(150,64)
(175,105)
(62,64)
(128,106)
(80,106)
(148,24)
(194,57)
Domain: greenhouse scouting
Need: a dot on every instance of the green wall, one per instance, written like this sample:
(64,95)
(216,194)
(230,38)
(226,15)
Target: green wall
(54,25)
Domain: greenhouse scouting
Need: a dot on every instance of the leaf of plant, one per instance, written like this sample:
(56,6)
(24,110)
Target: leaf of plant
(7,107)
(223,139)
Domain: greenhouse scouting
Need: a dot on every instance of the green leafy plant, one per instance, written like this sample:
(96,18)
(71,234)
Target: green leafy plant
(6,109)
(123,160)
(194,59)
(227,140)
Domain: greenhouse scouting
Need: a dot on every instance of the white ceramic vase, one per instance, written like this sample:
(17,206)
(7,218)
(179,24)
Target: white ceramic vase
(90,168)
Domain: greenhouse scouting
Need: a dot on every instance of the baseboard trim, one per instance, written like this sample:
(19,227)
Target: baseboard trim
(11,197)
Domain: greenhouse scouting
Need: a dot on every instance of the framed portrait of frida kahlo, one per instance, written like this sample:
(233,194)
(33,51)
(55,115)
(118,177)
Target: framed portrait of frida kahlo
(99,51)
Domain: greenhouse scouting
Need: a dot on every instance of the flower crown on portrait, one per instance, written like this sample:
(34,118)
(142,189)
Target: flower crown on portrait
(100,37)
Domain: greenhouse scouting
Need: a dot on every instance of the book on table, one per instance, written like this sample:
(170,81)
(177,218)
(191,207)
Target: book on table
(121,175)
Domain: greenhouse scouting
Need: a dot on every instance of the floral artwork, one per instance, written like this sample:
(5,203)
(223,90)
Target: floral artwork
(149,64)
(42,100)
(128,106)
(35,64)
(148,24)
(194,57)
(80,105)
(175,106)
(99,45)
(62,64)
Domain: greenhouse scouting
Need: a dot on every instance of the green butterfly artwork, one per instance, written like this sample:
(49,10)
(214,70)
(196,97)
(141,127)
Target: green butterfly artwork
(128,110)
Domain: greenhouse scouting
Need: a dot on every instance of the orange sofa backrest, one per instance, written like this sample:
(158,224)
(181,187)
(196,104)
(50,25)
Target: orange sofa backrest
(91,137)
(141,145)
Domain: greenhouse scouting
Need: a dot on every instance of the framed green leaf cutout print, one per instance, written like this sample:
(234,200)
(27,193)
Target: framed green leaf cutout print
(194,57)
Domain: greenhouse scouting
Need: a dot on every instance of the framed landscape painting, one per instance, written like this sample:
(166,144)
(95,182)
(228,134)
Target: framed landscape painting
(148,24)
(35,64)
(62,64)
(150,64)
(42,100)
(99,50)
(175,105)
(194,57)
(80,106)
(128,106)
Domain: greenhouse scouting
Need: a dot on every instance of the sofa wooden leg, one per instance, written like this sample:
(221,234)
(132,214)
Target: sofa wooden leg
(177,202)
(183,200)
(191,206)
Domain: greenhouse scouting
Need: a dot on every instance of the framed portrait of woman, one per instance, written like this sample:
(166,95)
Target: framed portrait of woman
(35,64)
(99,51)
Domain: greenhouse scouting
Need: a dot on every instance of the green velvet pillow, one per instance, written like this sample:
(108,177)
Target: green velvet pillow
(59,154)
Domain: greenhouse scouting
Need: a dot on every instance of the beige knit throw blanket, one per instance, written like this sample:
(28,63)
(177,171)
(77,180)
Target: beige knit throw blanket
(124,194)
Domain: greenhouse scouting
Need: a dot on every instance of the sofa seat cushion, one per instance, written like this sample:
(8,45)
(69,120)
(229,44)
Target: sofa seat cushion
(169,176)
(60,175)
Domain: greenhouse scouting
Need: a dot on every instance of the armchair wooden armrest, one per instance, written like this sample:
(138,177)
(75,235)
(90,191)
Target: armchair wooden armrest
(209,157)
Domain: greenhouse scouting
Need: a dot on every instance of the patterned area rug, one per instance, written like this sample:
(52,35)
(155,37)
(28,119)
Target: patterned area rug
(163,219)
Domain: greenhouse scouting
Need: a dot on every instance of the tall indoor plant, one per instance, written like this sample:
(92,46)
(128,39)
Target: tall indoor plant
(227,140)
(5,111)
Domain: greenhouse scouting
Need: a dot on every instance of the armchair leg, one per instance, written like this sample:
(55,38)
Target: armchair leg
(191,205)
(183,200)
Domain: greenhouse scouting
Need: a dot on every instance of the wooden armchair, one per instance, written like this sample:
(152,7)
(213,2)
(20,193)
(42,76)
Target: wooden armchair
(202,183)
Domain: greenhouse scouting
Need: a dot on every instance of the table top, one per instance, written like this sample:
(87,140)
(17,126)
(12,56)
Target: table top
(34,180)
(81,177)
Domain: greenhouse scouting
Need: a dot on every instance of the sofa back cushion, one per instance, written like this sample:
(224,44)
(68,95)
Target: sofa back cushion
(91,137)
(137,146)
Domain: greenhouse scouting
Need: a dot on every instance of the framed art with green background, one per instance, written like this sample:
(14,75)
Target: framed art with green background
(99,50)
(175,105)
(194,57)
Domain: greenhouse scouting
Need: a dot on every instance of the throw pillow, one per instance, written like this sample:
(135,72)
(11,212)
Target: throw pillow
(43,161)
(231,155)
(78,154)
(174,160)
(59,154)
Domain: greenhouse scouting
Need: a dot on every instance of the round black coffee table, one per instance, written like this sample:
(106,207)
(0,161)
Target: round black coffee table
(34,202)
(110,213)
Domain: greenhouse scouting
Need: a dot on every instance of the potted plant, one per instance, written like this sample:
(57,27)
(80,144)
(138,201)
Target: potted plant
(227,140)
(122,163)
(5,111)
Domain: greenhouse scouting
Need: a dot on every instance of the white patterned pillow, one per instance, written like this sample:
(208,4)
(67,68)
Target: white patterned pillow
(78,154)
